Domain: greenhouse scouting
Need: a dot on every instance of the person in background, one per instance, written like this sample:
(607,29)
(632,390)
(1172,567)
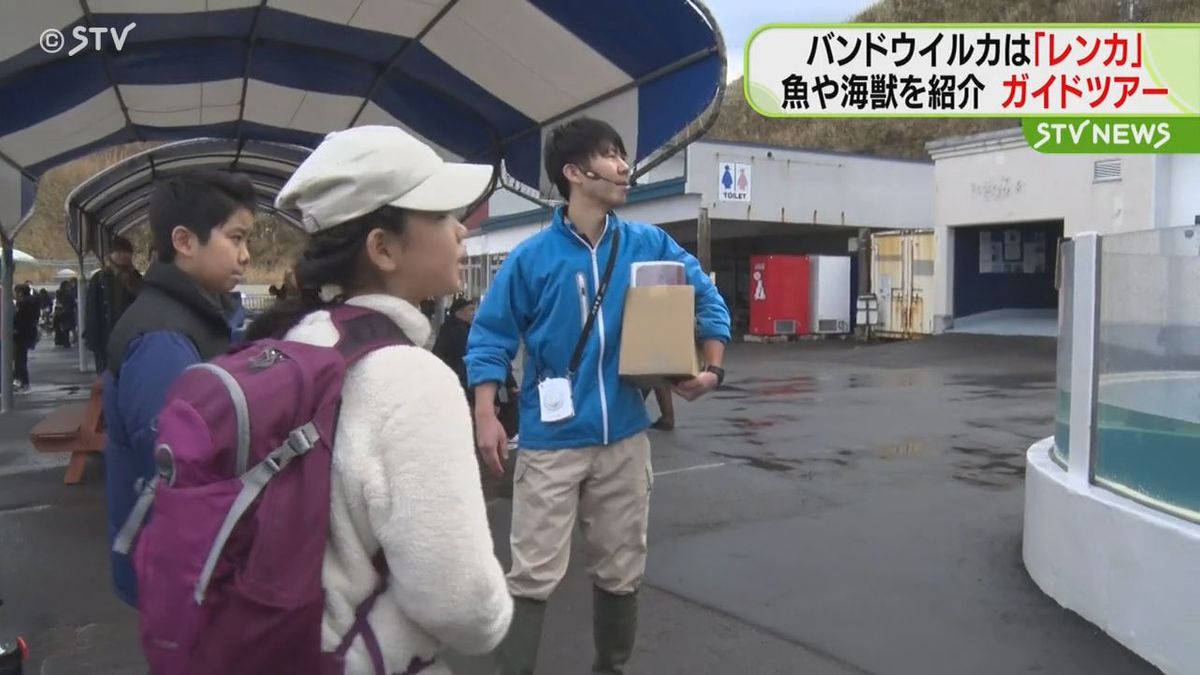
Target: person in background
(46,306)
(111,291)
(451,348)
(201,222)
(451,343)
(64,315)
(73,313)
(25,334)
(666,407)
(286,290)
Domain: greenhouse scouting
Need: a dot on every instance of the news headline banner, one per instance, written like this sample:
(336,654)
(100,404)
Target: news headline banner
(1080,87)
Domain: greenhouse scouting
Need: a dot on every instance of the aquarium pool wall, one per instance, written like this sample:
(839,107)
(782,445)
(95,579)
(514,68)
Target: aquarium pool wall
(1112,500)
(1126,567)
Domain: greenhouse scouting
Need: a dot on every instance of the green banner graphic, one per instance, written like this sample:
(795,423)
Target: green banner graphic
(1113,135)
(1068,71)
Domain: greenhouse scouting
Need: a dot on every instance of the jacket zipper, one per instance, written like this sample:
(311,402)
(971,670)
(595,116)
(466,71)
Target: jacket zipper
(581,282)
(599,326)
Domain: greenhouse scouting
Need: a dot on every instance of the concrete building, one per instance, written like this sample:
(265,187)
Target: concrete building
(757,199)
(1001,209)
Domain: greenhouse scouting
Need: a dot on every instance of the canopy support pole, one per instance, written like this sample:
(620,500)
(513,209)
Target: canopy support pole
(6,326)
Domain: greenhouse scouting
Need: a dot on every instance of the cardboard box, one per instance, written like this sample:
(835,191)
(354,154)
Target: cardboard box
(658,336)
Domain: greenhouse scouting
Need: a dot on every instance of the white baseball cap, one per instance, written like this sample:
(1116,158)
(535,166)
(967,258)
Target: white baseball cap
(356,171)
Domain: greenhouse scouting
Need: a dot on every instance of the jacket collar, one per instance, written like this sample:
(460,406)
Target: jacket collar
(407,317)
(174,282)
(561,223)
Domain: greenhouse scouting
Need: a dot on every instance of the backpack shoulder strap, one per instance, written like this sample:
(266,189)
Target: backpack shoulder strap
(364,330)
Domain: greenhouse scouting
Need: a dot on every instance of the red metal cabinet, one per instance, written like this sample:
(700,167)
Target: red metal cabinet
(780,295)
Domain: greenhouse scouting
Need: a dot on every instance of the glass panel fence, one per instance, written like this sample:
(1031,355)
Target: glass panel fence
(1062,412)
(1148,356)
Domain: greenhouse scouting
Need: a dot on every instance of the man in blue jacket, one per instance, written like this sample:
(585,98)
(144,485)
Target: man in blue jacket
(584,450)
(200,223)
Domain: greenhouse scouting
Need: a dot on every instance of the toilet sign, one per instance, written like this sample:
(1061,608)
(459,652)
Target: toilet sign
(733,182)
(760,293)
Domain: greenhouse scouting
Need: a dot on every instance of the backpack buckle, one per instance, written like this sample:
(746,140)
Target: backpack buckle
(299,442)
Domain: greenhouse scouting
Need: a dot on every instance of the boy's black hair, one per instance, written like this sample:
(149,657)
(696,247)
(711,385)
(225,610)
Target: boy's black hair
(574,143)
(122,245)
(199,201)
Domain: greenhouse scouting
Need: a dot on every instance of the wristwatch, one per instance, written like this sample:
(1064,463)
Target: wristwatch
(718,371)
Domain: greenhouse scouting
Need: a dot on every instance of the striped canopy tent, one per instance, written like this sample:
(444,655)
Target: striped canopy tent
(117,199)
(479,80)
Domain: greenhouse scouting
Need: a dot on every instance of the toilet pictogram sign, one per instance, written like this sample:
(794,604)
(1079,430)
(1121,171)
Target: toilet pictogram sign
(733,182)
(760,292)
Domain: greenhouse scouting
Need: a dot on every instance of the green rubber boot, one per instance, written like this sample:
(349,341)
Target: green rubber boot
(614,627)
(517,653)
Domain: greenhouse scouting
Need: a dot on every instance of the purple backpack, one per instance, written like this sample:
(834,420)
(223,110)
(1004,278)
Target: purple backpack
(229,563)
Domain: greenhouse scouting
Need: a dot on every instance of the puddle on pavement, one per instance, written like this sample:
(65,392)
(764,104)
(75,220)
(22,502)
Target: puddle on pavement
(754,423)
(986,453)
(888,379)
(745,436)
(978,482)
(1004,386)
(1004,381)
(773,464)
(905,450)
(767,387)
(1032,420)
(987,467)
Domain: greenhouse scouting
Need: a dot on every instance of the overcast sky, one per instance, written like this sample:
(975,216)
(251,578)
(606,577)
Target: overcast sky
(739,18)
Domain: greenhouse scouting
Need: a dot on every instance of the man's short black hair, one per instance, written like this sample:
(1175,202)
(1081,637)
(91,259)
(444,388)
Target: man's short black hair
(574,143)
(199,201)
(121,245)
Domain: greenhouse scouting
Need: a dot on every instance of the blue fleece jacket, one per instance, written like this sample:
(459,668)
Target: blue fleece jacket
(542,295)
(171,326)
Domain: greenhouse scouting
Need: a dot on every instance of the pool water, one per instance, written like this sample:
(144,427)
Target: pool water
(1148,437)
(1062,427)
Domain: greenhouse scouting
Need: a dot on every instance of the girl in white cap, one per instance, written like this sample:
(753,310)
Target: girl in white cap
(378,203)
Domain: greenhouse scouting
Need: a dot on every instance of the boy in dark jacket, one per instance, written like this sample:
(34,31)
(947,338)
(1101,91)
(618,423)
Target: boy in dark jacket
(200,222)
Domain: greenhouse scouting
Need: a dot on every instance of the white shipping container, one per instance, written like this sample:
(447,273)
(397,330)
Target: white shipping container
(831,294)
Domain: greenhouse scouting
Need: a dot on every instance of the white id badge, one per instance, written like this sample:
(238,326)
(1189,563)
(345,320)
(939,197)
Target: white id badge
(555,396)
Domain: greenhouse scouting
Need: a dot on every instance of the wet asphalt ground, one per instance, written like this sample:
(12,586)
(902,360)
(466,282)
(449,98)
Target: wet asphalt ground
(834,509)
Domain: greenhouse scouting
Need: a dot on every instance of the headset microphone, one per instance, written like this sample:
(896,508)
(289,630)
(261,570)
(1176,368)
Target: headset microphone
(595,176)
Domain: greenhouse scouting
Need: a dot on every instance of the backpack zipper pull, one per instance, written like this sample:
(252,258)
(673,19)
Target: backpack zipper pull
(268,358)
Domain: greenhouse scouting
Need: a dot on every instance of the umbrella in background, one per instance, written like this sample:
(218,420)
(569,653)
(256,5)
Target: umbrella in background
(23,257)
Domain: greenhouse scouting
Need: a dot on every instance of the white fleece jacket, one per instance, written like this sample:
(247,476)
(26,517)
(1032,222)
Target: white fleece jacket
(405,478)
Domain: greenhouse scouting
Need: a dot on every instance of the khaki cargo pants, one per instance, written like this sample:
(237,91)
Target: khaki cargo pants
(607,488)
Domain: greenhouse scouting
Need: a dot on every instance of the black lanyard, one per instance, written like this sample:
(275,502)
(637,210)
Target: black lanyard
(600,291)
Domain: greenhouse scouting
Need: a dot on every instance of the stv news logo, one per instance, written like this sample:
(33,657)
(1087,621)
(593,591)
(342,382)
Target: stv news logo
(52,40)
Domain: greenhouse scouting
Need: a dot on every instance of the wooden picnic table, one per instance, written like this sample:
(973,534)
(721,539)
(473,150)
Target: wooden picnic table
(77,428)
